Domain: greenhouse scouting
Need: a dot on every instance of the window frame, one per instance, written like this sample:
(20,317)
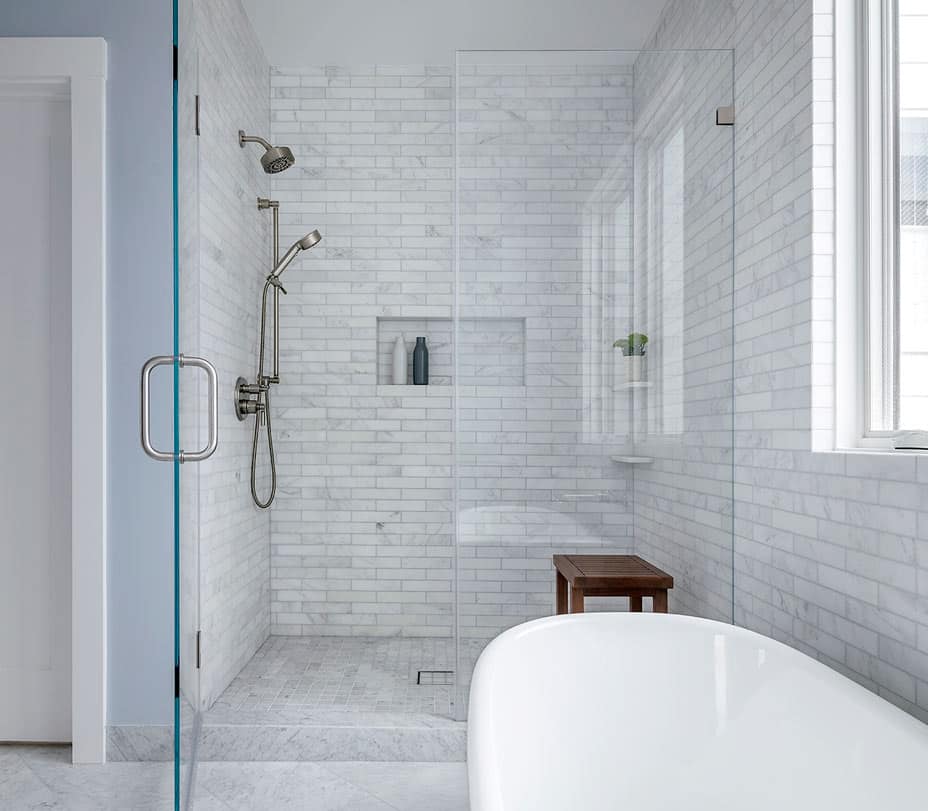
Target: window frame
(866,97)
(878,188)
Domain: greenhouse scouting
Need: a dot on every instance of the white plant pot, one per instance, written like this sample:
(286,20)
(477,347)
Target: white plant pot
(634,368)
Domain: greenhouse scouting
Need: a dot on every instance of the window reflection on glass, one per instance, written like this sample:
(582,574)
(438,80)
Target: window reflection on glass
(664,284)
(671,303)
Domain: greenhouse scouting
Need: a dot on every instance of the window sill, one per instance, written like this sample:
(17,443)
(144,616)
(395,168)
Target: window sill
(915,442)
(879,450)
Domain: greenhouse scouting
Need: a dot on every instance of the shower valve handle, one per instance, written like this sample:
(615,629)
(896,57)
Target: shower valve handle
(250,398)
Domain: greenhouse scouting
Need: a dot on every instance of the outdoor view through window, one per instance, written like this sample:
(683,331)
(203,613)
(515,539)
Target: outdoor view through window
(912,380)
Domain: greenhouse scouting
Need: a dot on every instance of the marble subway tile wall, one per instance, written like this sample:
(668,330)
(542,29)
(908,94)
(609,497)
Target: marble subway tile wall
(234,253)
(544,142)
(362,531)
(361,539)
(830,548)
(683,301)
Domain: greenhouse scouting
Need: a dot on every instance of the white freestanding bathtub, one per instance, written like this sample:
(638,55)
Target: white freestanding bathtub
(656,711)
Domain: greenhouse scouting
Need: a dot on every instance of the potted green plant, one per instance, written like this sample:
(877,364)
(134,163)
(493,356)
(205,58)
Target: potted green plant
(634,348)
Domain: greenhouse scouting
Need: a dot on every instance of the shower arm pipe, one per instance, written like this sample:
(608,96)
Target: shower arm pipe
(252,139)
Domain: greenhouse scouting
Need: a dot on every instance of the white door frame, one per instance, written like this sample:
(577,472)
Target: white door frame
(80,64)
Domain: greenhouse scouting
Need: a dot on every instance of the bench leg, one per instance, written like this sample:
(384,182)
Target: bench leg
(576,600)
(560,593)
(660,602)
(634,603)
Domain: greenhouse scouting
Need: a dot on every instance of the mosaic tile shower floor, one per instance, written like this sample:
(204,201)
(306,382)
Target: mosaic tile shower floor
(343,674)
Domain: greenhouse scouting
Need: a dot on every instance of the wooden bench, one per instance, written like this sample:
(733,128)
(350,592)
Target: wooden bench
(609,576)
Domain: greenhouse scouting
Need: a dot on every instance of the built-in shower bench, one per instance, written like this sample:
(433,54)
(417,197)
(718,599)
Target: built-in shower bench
(608,576)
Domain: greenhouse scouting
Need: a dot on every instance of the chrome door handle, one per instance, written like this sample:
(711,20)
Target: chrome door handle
(213,433)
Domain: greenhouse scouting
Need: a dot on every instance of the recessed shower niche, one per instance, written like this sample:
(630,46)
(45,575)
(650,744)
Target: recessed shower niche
(492,349)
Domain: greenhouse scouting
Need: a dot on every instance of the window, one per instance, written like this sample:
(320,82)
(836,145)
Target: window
(893,213)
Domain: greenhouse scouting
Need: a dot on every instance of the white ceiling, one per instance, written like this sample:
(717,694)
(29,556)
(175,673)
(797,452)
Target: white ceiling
(298,33)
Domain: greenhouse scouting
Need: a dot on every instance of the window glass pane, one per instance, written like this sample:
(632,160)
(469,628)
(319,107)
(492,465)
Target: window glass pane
(913,215)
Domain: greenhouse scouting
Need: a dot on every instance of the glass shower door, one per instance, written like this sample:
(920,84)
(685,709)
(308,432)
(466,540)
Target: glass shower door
(594,200)
(191,425)
(195,411)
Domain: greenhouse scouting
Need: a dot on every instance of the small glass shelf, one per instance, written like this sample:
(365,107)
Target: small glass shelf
(631,460)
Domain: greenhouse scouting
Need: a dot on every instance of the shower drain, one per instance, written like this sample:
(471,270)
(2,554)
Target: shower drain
(433,678)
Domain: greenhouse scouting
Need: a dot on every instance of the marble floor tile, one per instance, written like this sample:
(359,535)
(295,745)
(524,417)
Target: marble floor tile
(283,787)
(45,778)
(35,777)
(19,786)
(411,786)
(353,674)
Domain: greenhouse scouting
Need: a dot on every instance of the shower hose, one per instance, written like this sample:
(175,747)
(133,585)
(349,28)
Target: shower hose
(264,409)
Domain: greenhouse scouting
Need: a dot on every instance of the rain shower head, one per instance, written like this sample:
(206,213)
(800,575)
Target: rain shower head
(311,239)
(275,158)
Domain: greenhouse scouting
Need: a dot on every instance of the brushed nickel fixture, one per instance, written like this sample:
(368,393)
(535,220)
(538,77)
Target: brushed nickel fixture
(254,399)
(212,441)
(275,158)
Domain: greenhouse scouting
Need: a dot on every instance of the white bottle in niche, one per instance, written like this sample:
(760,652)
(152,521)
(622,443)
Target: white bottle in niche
(399,361)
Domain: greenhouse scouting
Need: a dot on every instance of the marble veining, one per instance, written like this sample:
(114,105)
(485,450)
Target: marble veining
(42,777)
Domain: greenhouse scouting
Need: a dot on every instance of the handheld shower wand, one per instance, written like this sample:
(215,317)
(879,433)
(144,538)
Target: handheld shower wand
(308,241)
(260,406)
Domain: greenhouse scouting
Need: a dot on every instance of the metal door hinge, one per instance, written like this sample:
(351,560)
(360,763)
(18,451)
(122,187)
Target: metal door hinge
(196,113)
(176,681)
(725,116)
(198,650)
(175,64)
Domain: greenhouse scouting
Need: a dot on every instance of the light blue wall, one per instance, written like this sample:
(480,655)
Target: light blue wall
(140,559)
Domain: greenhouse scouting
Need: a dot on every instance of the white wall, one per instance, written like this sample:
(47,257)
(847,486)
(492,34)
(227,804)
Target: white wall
(301,33)
(35,460)
(140,521)
(830,548)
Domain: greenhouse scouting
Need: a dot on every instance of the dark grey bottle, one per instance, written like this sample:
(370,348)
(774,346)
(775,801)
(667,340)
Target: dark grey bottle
(420,363)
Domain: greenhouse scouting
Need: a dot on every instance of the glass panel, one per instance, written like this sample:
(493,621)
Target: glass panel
(190,405)
(594,199)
